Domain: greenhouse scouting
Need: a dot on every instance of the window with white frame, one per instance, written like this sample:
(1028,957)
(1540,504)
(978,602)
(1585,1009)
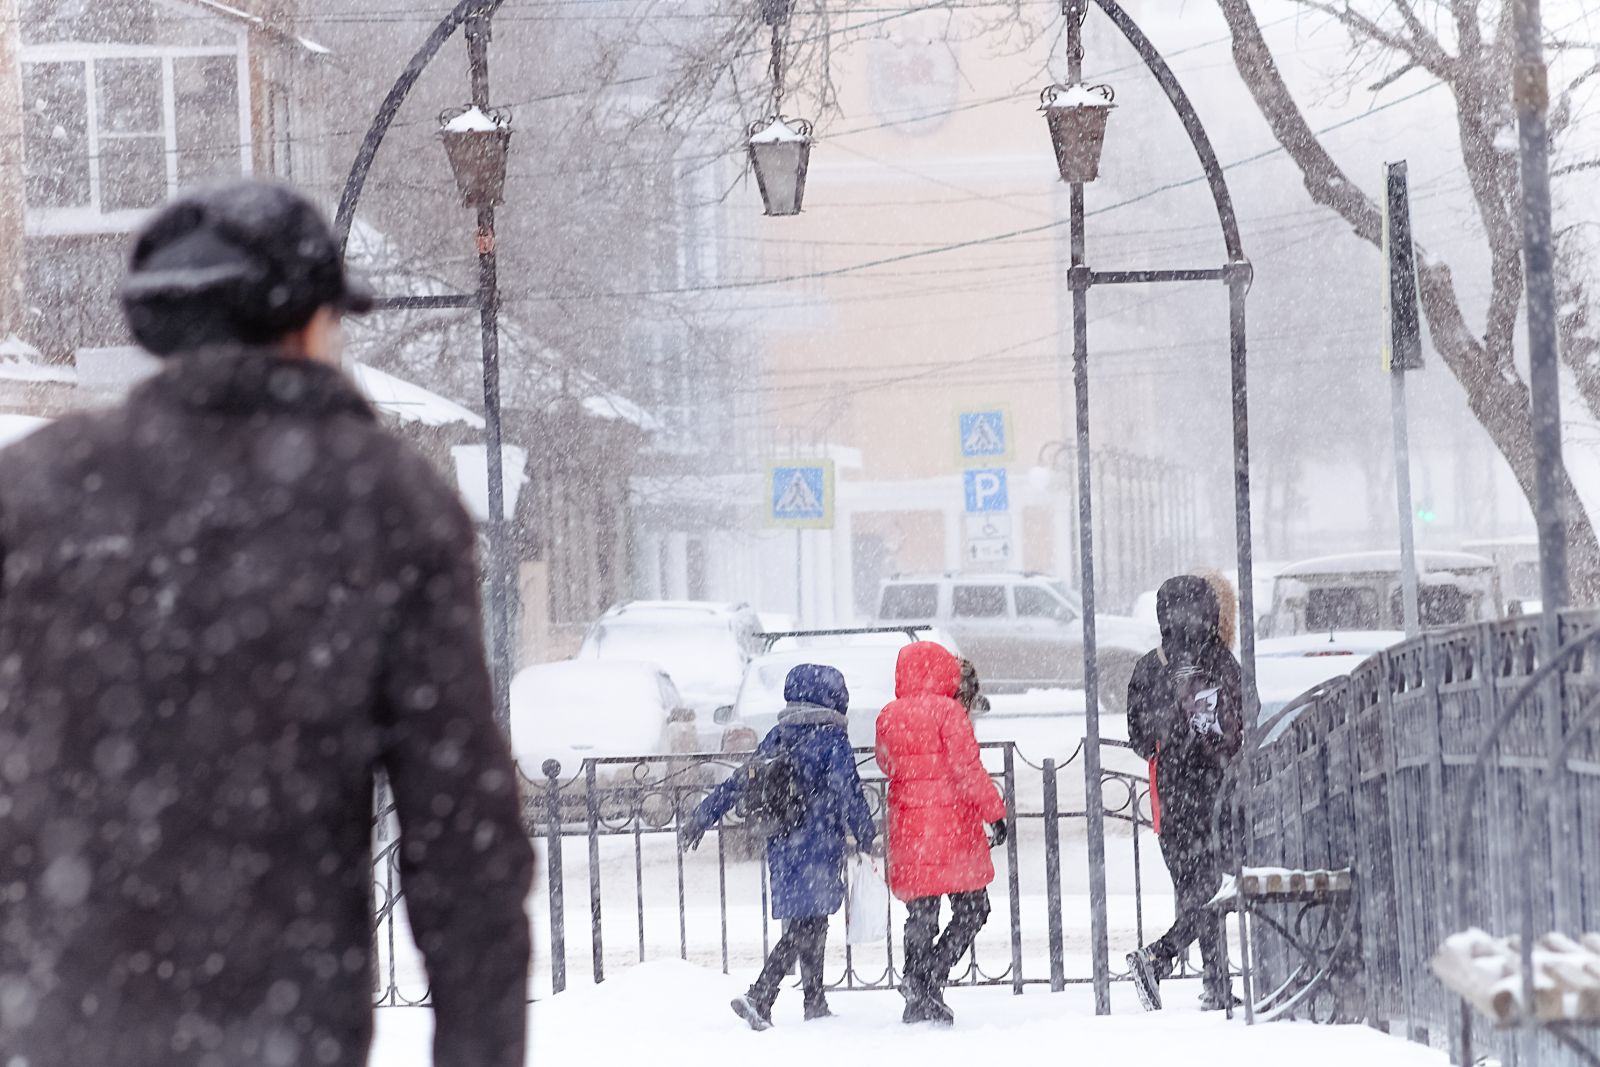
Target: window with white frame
(112,128)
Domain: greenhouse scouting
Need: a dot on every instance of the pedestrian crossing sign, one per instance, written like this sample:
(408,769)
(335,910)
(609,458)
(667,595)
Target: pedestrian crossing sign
(984,435)
(800,494)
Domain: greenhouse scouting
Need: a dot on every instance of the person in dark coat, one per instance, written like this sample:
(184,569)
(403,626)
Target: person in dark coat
(807,864)
(1185,713)
(225,605)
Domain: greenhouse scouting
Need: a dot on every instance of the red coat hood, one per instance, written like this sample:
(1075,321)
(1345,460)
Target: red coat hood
(926,668)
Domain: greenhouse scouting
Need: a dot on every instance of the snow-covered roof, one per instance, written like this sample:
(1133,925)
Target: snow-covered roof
(472,477)
(1383,562)
(612,406)
(257,22)
(14,428)
(409,402)
(20,362)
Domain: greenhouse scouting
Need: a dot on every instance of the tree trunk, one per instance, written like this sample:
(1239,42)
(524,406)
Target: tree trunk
(1496,394)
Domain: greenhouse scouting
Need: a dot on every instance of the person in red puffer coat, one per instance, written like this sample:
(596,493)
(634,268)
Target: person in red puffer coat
(945,814)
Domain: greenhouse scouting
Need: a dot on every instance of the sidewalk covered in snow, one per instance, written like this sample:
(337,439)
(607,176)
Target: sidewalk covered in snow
(674,1013)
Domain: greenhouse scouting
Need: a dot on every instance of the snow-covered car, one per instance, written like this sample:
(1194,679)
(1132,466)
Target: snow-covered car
(575,710)
(1360,593)
(1022,631)
(704,646)
(868,672)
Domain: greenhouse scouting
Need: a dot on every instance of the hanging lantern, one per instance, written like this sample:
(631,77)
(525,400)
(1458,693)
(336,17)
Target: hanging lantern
(1077,117)
(477,142)
(780,149)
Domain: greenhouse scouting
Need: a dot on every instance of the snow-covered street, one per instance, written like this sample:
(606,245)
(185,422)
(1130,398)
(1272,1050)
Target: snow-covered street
(675,1013)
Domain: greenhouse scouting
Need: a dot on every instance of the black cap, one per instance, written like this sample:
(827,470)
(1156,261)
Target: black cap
(244,262)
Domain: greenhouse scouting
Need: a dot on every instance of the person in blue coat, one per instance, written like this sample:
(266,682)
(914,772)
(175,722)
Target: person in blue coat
(806,864)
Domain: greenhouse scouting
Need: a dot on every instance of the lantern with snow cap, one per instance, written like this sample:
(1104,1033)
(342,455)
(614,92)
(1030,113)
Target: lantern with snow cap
(1077,116)
(477,140)
(780,149)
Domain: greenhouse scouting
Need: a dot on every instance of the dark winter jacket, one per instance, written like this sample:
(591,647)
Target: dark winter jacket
(807,864)
(225,605)
(1190,766)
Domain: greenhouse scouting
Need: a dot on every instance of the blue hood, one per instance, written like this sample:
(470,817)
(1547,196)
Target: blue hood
(812,683)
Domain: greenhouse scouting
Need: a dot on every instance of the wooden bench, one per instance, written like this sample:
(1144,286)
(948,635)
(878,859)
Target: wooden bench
(1321,933)
(1486,972)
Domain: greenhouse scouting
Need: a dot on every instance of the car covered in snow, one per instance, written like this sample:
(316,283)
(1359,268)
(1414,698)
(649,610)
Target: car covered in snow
(704,646)
(575,710)
(1360,593)
(1021,630)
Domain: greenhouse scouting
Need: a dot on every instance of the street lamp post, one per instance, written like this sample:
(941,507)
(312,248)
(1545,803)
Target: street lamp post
(476,140)
(1077,116)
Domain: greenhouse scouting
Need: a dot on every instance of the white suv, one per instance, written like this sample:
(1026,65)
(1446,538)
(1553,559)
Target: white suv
(1021,631)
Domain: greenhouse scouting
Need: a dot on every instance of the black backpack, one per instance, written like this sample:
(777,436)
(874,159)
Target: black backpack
(771,801)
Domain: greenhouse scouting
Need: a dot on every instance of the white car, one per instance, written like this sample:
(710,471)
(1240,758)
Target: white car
(575,710)
(703,646)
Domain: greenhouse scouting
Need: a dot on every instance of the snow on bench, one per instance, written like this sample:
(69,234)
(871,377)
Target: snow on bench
(1486,971)
(1282,884)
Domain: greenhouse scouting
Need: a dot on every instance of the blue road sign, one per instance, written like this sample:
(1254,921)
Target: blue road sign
(986,490)
(983,434)
(801,494)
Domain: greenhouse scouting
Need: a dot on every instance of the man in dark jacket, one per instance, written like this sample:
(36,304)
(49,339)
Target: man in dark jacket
(807,863)
(1184,713)
(225,604)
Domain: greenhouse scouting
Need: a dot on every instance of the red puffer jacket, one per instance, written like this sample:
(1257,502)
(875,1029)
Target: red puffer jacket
(940,797)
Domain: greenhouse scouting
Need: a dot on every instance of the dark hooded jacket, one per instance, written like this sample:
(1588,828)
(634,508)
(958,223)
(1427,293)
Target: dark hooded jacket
(807,864)
(1190,766)
(225,605)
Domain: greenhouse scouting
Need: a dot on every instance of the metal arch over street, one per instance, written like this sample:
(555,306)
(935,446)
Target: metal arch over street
(357,179)
(1191,123)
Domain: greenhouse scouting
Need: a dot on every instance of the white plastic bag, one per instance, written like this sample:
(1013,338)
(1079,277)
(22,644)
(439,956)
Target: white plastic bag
(866,901)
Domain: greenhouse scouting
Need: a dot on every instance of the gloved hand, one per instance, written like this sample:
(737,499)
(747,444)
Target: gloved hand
(689,835)
(997,834)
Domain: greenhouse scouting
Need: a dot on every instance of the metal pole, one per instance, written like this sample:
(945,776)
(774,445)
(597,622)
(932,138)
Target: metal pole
(477,33)
(799,574)
(1079,278)
(1531,94)
(1238,285)
(1402,493)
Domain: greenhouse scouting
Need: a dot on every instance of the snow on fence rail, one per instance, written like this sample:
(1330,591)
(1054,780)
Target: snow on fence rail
(1373,772)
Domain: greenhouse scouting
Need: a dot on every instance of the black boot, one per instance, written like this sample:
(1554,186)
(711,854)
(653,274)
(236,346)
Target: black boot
(1147,971)
(817,1008)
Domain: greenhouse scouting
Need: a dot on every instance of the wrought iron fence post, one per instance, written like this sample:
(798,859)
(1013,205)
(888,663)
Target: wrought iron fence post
(1013,878)
(1052,878)
(558,905)
(592,803)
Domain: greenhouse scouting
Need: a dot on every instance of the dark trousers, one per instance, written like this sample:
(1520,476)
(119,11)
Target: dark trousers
(1195,864)
(930,954)
(804,940)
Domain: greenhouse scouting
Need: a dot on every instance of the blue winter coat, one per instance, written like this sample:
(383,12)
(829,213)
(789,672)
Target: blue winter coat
(807,865)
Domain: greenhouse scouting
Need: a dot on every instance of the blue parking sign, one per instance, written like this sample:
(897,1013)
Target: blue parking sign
(986,490)
(983,434)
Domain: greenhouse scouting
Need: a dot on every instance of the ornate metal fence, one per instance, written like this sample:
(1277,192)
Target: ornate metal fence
(608,835)
(1375,772)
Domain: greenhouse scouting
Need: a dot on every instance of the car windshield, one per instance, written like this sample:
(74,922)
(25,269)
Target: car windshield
(1069,594)
(703,659)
